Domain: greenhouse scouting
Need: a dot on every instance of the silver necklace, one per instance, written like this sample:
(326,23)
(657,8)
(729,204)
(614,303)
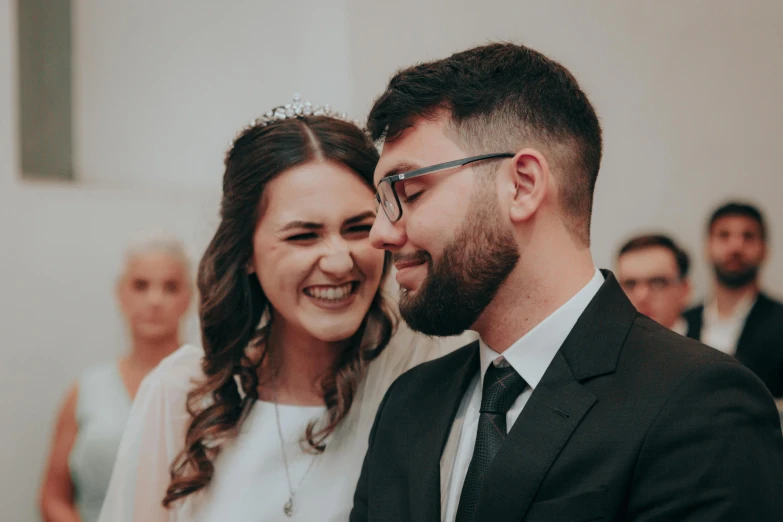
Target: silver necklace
(288,507)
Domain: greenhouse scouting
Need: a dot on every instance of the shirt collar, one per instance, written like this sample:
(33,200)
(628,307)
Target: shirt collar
(531,355)
(740,314)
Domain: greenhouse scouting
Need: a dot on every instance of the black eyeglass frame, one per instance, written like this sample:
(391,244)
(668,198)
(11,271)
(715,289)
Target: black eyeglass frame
(393,179)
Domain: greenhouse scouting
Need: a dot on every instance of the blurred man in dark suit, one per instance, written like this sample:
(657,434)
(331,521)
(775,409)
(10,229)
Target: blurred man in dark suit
(739,319)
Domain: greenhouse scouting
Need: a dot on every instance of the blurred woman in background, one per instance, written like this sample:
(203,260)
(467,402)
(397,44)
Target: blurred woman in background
(154,292)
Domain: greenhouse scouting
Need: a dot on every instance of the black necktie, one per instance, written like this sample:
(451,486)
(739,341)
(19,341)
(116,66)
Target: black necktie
(501,388)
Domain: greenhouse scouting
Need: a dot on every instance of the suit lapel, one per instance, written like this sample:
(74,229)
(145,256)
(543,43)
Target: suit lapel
(549,418)
(753,323)
(436,413)
(695,318)
(557,406)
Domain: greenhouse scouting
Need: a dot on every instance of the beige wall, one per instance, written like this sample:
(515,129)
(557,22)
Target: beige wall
(162,87)
(687,92)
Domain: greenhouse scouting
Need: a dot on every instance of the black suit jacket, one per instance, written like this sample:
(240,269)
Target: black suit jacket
(760,346)
(629,422)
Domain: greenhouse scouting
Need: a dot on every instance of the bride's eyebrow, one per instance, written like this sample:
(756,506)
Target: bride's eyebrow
(359,218)
(311,225)
(308,225)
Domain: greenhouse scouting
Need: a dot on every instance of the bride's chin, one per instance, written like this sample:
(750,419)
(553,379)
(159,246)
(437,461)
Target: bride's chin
(336,333)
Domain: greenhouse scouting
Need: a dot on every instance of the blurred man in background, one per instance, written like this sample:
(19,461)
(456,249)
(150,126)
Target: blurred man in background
(739,319)
(653,271)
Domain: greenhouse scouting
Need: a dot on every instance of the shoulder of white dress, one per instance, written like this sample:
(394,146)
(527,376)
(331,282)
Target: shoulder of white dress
(179,370)
(407,349)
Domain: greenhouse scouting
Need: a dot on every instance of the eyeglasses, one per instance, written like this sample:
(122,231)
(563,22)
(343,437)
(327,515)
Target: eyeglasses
(655,284)
(386,195)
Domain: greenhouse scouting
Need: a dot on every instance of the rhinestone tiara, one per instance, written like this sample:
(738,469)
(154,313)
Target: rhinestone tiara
(299,109)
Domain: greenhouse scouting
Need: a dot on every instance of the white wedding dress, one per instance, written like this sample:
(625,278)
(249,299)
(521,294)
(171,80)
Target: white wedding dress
(249,483)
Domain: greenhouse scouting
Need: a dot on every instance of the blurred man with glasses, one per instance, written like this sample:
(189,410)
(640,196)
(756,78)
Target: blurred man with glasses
(653,272)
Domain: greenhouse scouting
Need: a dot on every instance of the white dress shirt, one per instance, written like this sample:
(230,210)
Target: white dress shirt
(723,333)
(680,326)
(530,356)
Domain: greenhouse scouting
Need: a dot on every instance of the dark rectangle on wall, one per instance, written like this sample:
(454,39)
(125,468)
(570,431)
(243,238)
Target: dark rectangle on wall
(45,102)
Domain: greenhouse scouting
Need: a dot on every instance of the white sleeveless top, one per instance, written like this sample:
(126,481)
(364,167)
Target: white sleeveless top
(253,483)
(249,482)
(102,410)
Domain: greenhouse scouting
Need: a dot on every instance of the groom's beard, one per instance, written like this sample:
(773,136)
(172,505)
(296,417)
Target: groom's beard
(466,278)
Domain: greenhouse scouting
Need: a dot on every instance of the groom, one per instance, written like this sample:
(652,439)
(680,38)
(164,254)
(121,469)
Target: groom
(572,406)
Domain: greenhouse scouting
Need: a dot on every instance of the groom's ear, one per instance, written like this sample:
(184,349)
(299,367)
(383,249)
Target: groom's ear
(524,184)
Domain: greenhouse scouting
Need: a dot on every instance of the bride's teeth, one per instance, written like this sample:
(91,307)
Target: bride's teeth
(332,293)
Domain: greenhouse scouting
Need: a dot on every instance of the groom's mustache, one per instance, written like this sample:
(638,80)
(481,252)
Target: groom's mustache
(414,258)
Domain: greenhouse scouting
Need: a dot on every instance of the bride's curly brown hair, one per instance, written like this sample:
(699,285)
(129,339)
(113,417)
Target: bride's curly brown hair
(232,302)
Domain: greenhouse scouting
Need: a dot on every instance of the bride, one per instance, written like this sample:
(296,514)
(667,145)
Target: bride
(269,422)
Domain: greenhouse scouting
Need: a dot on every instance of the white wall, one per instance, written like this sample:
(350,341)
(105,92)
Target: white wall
(686,92)
(61,249)
(162,87)
(8,123)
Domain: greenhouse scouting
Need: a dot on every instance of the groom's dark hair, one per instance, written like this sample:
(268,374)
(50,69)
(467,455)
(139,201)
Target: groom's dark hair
(503,97)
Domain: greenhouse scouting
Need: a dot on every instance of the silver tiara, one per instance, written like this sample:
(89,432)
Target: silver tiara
(299,109)
(296,109)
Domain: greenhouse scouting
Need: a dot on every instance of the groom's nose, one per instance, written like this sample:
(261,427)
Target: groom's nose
(386,235)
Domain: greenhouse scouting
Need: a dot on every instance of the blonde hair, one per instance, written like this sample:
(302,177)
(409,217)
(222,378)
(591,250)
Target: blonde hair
(158,241)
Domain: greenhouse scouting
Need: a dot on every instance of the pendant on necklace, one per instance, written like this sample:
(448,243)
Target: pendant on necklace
(288,509)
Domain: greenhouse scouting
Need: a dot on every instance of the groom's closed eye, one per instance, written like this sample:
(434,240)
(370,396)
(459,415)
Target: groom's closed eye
(411,190)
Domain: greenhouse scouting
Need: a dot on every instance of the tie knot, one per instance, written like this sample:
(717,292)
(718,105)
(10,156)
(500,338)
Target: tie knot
(502,386)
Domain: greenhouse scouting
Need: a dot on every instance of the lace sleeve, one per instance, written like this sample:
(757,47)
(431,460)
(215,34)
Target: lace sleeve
(153,437)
